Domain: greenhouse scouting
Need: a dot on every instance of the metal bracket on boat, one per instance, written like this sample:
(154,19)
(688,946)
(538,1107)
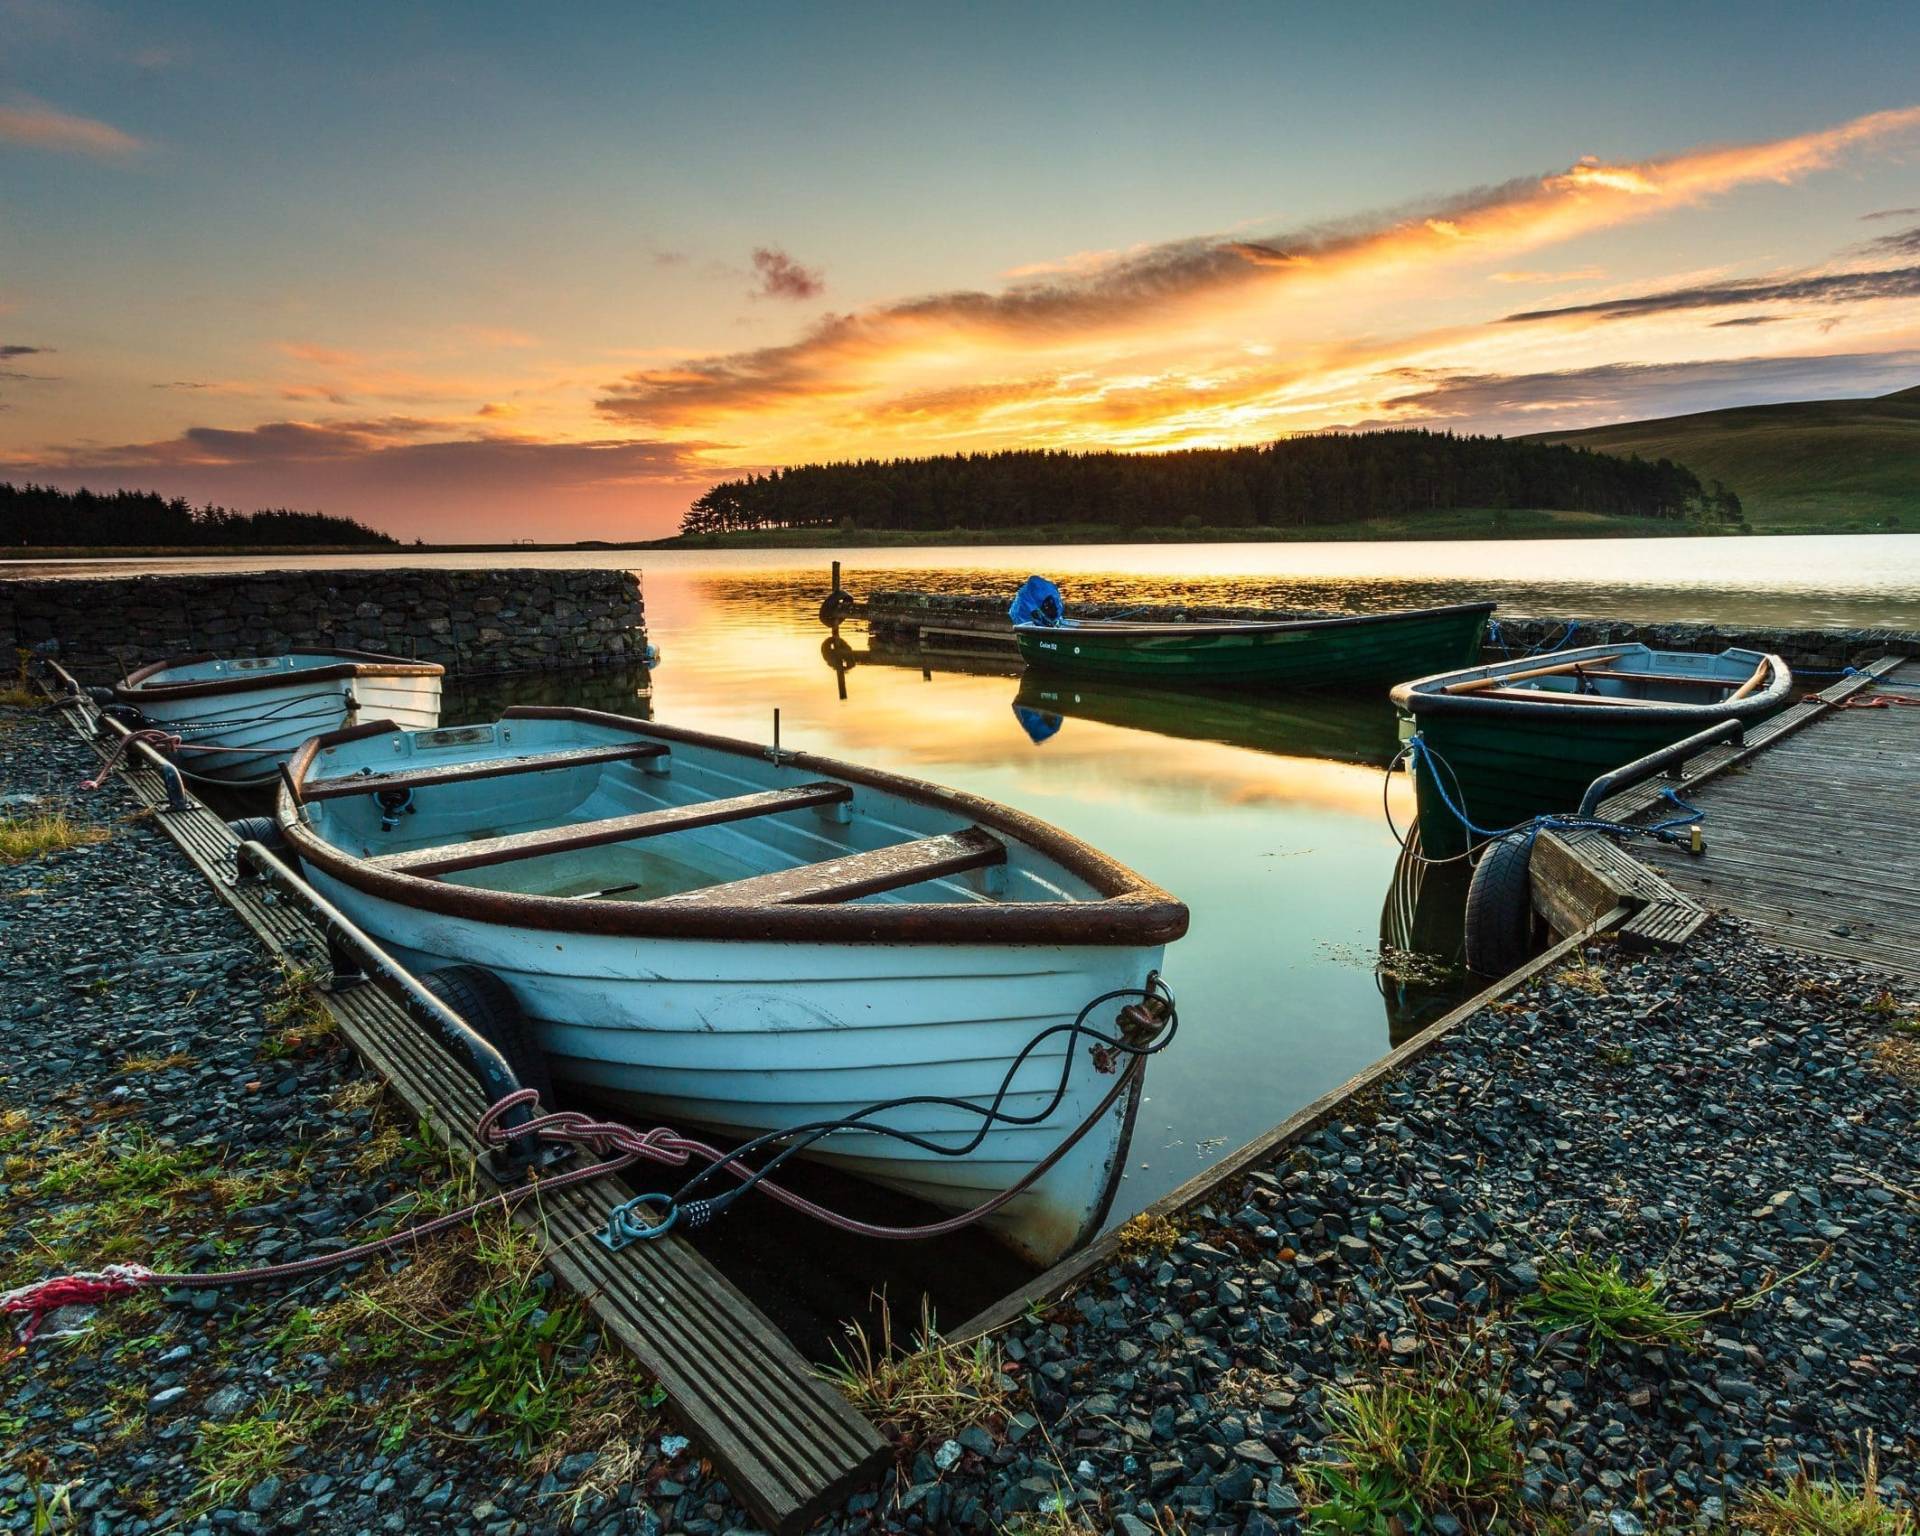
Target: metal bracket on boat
(489,1069)
(774,754)
(1666,759)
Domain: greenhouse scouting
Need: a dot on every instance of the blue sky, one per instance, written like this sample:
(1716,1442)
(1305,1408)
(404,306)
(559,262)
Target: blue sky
(406,260)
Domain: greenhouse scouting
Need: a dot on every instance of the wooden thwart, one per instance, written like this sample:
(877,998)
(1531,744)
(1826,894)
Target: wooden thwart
(857,874)
(484,768)
(612,829)
(788,1445)
(1477,684)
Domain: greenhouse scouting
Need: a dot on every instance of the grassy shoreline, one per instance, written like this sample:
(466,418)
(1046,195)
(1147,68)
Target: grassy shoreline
(1451,525)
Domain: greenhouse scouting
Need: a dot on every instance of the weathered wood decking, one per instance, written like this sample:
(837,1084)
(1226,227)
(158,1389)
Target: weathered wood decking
(1809,834)
(789,1446)
(1817,841)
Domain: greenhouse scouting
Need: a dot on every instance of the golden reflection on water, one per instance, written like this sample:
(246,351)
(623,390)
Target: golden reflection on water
(1262,814)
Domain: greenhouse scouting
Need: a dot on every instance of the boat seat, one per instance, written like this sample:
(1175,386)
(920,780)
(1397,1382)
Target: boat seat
(854,875)
(483,768)
(1567,696)
(445,859)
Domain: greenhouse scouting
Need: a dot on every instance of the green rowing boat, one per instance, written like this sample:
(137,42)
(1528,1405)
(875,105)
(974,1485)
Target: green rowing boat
(1522,738)
(1286,653)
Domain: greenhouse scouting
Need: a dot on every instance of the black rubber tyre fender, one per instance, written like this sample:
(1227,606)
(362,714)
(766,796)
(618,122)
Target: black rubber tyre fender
(491,1011)
(263,830)
(1499,927)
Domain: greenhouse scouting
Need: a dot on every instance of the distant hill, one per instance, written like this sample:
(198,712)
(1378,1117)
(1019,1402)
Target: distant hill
(1838,466)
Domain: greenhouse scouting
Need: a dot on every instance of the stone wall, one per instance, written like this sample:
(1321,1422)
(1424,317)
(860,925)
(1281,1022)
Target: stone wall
(473,622)
(896,618)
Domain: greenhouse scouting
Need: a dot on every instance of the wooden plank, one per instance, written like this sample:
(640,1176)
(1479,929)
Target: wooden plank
(481,768)
(788,1445)
(612,829)
(1263,1149)
(1561,696)
(856,874)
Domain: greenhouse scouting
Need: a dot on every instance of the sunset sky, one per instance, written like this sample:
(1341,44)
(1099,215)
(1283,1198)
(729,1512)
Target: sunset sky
(548,271)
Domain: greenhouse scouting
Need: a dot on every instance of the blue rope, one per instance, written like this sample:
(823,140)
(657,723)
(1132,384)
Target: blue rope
(1665,831)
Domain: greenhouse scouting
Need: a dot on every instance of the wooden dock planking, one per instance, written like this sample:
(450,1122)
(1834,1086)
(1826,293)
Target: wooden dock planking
(789,1446)
(1809,835)
(1816,845)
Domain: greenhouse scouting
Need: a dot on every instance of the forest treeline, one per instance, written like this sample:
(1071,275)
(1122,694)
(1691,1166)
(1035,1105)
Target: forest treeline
(1297,482)
(41,516)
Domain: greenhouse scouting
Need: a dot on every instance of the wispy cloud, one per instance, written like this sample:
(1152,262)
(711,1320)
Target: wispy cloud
(1816,288)
(1890,213)
(1143,296)
(1630,391)
(781,277)
(1905,243)
(36,126)
(16,349)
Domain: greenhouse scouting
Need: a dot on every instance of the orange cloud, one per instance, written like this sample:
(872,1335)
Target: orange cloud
(43,127)
(1110,316)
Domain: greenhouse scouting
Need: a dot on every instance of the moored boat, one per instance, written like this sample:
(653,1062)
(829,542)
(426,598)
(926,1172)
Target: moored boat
(1343,649)
(1521,738)
(240,717)
(745,939)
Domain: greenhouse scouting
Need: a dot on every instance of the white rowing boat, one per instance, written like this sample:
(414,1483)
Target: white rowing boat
(732,937)
(239,718)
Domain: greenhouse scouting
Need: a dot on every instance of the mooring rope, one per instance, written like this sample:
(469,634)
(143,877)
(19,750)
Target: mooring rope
(1668,831)
(617,1146)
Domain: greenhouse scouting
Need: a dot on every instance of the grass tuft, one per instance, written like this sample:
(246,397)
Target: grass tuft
(1412,1447)
(1582,1295)
(933,1390)
(41,833)
(233,1456)
(1146,1236)
(1809,1508)
(298,1017)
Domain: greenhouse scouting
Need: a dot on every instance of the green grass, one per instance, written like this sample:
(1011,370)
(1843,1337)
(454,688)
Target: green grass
(1808,1508)
(233,1456)
(44,832)
(1461,523)
(931,1391)
(1412,1447)
(1812,466)
(1596,1300)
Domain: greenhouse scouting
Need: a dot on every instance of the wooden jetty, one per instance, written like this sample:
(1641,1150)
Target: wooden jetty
(1809,834)
(788,1445)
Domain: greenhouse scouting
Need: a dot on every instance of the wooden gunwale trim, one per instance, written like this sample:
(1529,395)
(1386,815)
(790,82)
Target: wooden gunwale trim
(1133,910)
(339,788)
(1431,695)
(134,687)
(1153,627)
(572,837)
(1263,1148)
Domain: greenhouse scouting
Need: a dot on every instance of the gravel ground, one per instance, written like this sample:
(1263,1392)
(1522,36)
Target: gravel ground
(1739,1119)
(163,1101)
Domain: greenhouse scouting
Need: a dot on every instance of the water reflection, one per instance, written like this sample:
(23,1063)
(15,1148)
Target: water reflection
(1422,968)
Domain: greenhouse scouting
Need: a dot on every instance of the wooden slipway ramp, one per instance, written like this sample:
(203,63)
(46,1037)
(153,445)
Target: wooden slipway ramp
(789,1446)
(1812,833)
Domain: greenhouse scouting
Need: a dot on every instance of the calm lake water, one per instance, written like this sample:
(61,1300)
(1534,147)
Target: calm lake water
(1263,814)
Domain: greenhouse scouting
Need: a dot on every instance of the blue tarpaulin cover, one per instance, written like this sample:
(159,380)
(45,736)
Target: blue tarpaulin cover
(1037,602)
(1037,723)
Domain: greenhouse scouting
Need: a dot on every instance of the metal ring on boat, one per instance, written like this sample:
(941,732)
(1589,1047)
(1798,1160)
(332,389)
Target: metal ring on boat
(622,1229)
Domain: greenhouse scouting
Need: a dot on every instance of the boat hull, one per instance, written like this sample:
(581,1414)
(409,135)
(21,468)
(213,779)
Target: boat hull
(258,729)
(1506,759)
(1364,649)
(740,1037)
